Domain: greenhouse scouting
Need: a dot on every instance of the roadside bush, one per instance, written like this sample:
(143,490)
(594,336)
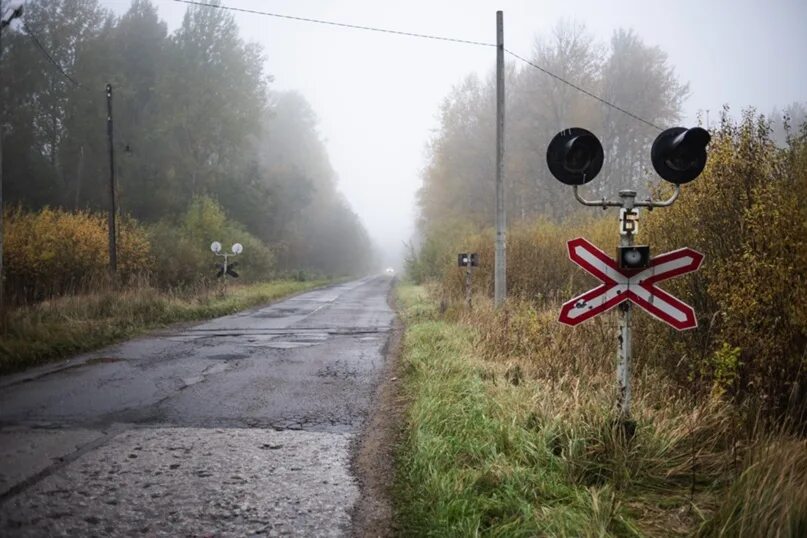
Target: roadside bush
(182,246)
(745,214)
(53,252)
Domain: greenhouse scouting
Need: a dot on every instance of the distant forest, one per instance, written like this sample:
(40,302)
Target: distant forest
(194,115)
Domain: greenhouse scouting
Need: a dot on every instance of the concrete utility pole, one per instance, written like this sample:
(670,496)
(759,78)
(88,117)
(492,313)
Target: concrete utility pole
(113,247)
(500,272)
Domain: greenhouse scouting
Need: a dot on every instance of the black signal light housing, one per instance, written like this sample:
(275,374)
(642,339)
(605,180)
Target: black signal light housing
(635,257)
(574,156)
(679,154)
(464,258)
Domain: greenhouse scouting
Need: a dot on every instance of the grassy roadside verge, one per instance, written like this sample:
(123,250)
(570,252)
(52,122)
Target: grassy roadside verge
(501,443)
(74,324)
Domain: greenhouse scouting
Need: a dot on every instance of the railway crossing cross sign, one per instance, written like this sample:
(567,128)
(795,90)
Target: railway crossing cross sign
(635,285)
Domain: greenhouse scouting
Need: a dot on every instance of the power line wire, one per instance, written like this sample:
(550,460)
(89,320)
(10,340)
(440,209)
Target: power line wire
(15,13)
(49,57)
(583,90)
(424,36)
(340,24)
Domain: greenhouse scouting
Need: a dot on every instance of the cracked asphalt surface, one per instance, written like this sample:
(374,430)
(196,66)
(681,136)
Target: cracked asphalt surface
(243,425)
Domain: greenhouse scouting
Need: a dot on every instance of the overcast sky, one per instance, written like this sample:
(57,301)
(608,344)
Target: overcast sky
(378,95)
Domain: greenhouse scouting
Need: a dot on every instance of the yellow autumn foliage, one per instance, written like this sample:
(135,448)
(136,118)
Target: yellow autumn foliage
(537,258)
(746,214)
(51,251)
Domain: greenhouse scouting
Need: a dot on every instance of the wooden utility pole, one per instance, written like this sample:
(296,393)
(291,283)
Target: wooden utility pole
(500,270)
(3,24)
(2,271)
(113,247)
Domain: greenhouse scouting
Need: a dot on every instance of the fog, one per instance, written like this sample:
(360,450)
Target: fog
(377,96)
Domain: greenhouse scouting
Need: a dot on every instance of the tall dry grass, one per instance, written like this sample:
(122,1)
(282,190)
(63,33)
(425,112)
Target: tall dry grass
(770,496)
(546,399)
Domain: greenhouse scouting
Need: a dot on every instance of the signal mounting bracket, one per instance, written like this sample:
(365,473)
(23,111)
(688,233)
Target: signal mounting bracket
(649,203)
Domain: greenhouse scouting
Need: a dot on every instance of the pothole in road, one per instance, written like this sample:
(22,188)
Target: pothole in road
(224,356)
(290,341)
(290,345)
(338,369)
(276,313)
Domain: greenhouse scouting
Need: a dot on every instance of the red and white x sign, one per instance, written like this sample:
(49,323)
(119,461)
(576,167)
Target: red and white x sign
(636,285)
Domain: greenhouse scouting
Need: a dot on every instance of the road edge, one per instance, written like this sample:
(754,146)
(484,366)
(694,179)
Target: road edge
(373,459)
(82,358)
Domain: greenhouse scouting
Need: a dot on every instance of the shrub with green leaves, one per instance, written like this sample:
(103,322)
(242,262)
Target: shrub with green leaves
(745,213)
(182,247)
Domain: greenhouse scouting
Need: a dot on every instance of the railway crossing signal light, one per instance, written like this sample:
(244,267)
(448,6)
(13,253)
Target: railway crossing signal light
(679,154)
(464,258)
(226,269)
(574,156)
(634,257)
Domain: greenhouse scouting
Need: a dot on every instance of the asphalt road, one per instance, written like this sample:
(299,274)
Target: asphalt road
(240,426)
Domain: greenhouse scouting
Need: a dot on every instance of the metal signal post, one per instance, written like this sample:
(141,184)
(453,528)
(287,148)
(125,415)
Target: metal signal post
(628,204)
(468,260)
(468,284)
(625,313)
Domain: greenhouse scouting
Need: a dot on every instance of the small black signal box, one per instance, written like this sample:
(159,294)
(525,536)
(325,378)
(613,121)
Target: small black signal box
(635,257)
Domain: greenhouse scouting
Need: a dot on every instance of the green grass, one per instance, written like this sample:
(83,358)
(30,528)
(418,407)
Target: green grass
(467,468)
(73,324)
(496,445)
